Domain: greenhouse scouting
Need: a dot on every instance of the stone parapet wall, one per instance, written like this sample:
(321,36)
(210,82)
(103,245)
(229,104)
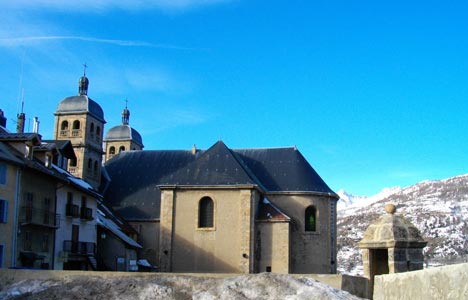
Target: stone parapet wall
(447,282)
(354,285)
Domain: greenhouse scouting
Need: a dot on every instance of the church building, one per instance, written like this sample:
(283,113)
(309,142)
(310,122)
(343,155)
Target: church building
(216,210)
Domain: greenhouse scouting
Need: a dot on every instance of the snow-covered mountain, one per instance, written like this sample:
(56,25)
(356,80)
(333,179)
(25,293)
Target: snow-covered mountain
(439,209)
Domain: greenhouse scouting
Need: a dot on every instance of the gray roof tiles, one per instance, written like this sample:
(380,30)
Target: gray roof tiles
(79,104)
(137,175)
(123,132)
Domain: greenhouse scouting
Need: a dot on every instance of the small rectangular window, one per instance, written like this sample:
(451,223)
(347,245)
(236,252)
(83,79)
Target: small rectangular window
(3,173)
(3,211)
(69,198)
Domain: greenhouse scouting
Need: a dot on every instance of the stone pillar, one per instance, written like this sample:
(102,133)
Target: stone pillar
(166,230)
(366,263)
(246,250)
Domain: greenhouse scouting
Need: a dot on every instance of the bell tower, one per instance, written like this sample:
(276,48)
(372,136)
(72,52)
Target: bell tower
(122,137)
(81,120)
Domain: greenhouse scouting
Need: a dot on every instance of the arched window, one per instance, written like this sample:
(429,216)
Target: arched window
(76,124)
(98,131)
(90,163)
(206,213)
(64,125)
(121,149)
(91,127)
(112,150)
(310,218)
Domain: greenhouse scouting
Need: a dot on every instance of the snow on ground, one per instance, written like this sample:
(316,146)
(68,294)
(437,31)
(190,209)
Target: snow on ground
(175,287)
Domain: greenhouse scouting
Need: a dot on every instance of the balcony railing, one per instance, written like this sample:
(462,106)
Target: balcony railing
(73,170)
(86,213)
(64,133)
(82,248)
(72,210)
(29,215)
(76,132)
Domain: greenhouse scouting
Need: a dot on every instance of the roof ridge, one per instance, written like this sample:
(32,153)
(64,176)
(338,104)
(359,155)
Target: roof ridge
(267,148)
(249,172)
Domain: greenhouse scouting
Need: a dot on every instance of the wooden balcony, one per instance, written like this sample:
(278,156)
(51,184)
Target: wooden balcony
(72,210)
(86,213)
(81,248)
(39,217)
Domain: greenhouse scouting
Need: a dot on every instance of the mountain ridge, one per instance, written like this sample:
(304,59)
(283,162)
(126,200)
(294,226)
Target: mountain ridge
(438,208)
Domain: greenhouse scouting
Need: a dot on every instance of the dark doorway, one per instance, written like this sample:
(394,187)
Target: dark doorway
(379,261)
(75,238)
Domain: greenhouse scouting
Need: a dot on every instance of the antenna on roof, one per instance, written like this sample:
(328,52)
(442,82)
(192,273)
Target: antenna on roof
(22,101)
(20,88)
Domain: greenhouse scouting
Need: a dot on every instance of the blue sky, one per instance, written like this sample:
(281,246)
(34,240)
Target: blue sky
(373,94)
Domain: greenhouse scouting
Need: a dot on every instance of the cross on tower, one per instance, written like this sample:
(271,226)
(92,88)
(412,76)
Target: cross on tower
(126,102)
(85,66)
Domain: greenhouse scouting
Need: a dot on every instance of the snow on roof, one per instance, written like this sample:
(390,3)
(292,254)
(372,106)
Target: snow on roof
(115,229)
(83,184)
(144,263)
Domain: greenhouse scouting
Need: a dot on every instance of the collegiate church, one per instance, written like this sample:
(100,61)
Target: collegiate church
(216,210)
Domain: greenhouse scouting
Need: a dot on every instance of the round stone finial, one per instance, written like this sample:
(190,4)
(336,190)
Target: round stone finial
(390,208)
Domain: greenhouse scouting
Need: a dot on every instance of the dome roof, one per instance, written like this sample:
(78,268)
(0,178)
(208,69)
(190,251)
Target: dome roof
(80,104)
(123,132)
(391,231)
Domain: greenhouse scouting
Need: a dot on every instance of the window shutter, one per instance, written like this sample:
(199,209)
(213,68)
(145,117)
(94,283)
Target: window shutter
(3,211)
(3,173)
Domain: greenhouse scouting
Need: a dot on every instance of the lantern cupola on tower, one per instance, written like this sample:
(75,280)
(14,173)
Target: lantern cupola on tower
(83,83)
(122,137)
(125,114)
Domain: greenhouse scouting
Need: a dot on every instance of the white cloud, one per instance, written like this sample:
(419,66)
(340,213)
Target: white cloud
(103,5)
(31,40)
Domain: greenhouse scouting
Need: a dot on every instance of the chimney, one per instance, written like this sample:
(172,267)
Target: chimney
(36,125)
(2,119)
(194,149)
(20,125)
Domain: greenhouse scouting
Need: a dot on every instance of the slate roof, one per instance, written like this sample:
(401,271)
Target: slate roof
(11,155)
(80,104)
(215,166)
(8,154)
(123,132)
(283,170)
(137,175)
(268,212)
(64,146)
(20,137)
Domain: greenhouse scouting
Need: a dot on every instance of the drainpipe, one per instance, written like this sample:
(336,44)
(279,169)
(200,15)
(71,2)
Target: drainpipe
(15,217)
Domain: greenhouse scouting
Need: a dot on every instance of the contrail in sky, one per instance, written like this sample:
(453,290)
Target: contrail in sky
(125,43)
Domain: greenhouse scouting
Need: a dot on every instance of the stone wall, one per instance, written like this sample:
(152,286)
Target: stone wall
(354,285)
(448,282)
(310,252)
